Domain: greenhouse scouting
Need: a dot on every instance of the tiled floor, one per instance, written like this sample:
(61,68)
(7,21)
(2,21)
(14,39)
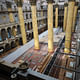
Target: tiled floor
(34,57)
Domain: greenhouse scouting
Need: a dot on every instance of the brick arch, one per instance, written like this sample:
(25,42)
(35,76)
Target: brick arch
(18,29)
(17,42)
(3,34)
(26,26)
(7,47)
(13,45)
(20,41)
(1,49)
(9,32)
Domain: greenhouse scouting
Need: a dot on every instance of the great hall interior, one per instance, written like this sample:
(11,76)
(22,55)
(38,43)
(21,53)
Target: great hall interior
(39,40)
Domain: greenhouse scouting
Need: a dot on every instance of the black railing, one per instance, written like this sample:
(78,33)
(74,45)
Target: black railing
(46,71)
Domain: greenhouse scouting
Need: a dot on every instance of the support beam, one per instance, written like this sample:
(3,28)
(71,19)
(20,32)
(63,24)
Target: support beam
(69,26)
(75,55)
(74,16)
(21,21)
(65,16)
(50,26)
(11,17)
(65,68)
(56,16)
(34,22)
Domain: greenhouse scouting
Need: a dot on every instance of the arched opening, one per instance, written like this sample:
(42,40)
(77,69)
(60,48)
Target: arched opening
(32,34)
(3,34)
(26,26)
(16,18)
(30,15)
(0,38)
(1,49)
(14,31)
(31,25)
(17,42)
(13,45)
(18,29)
(7,47)
(9,32)
(26,16)
(20,41)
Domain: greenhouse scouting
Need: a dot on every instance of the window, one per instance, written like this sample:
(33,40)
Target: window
(1,7)
(15,8)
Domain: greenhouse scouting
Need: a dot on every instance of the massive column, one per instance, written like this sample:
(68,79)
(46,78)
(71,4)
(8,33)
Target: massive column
(65,16)
(21,20)
(50,25)
(56,16)
(11,17)
(74,16)
(69,26)
(34,22)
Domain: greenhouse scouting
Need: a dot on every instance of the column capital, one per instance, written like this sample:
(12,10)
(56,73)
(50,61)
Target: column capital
(19,2)
(50,1)
(56,5)
(8,4)
(65,4)
(33,2)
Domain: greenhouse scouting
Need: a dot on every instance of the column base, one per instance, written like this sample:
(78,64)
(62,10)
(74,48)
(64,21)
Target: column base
(73,31)
(66,50)
(50,51)
(37,49)
(56,27)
